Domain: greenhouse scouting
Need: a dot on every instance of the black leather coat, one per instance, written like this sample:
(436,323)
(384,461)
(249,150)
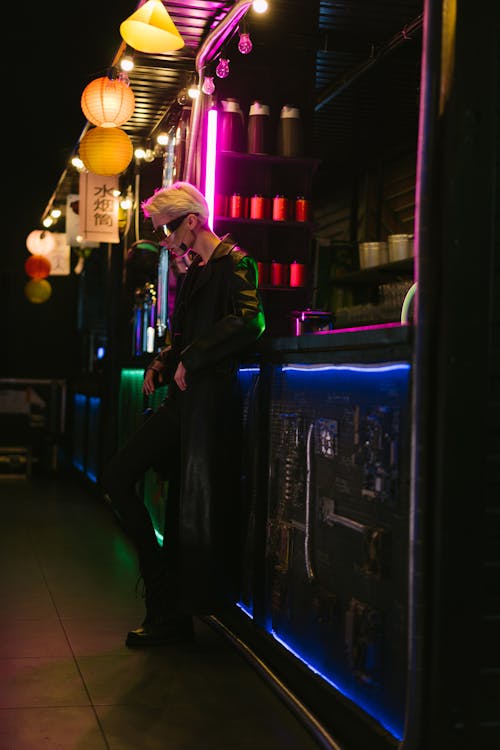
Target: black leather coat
(218,315)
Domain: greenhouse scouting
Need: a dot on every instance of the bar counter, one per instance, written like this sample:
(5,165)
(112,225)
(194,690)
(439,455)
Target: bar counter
(324,597)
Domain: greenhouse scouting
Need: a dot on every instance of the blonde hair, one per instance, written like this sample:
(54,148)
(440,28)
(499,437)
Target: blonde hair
(177,199)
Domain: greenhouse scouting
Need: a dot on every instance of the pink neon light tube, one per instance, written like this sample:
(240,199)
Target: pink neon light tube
(210,163)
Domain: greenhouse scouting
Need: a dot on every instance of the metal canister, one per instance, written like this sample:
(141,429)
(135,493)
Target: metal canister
(257,207)
(235,206)
(279,273)
(280,208)
(220,204)
(301,209)
(263,269)
(297,274)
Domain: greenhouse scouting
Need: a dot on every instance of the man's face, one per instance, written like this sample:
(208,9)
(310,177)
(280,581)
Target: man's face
(171,232)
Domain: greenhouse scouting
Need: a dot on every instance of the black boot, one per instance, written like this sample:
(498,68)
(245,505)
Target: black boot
(162,623)
(162,630)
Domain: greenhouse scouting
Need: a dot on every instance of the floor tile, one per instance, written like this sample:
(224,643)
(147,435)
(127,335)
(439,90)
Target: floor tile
(31,682)
(33,638)
(51,729)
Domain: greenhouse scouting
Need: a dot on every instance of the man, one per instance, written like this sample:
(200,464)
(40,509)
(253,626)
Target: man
(194,436)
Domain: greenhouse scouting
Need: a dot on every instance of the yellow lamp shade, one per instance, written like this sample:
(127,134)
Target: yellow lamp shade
(37,290)
(150,29)
(37,266)
(108,102)
(40,242)
(106,150)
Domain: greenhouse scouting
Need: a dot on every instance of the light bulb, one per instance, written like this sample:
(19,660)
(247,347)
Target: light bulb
(245,43)
(208,85)
(259,6)
(222,69)
(127,63)
(77,163)
(182,97)
(162,139)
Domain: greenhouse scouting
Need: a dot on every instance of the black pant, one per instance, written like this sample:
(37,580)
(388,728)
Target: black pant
(156,444)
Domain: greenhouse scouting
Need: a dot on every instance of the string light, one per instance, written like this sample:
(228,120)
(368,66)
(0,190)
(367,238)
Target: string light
(208,86)
(222,69)
(127,62)
(245,43)
(260,6)
(193,90)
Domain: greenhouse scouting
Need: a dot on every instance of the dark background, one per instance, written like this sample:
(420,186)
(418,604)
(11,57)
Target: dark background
(58,49)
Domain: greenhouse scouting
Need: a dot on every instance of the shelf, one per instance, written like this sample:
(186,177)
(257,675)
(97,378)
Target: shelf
(264,222)
(378,274)
(271,159)
(272,288)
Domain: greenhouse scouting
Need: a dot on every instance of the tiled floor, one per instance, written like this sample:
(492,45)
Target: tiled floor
(67,681)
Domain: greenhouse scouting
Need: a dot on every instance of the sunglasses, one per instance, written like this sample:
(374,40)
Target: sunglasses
(165,230)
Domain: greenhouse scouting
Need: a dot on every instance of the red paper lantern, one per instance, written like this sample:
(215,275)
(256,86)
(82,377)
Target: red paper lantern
(37,266)
(37,290)
(108,102)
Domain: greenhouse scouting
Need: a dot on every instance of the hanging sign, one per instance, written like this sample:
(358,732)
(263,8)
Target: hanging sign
(74,238)
(59,256)
(98,208)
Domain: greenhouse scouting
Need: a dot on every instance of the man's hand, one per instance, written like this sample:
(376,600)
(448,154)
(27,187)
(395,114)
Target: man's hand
(149,384)
(180,376)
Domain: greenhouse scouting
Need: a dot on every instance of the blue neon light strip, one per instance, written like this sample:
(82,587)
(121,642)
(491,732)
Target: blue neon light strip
(395,732)
(348,368)
(245,609)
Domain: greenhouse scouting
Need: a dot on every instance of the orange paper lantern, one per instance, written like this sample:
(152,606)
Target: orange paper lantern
(37,266)
(106,150)
(108,103)
(40,242)
(37,291)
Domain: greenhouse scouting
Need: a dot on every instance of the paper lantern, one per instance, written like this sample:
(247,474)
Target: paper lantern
(40,242)
(150,29)
(107,102)
(37,266)
(106,150)
(37,290)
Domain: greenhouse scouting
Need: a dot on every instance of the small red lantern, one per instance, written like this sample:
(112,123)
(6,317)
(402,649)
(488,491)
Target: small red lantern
(37,266)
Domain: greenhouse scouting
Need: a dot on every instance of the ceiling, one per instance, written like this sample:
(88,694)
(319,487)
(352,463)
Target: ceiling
(367,55)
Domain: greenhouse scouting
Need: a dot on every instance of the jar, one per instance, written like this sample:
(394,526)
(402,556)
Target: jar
(279,273)
(301,209)
(257,207)
(290,132)
(297,274)
(263,269)
(258,133)
(235,206)
(280,208)
(231,126)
